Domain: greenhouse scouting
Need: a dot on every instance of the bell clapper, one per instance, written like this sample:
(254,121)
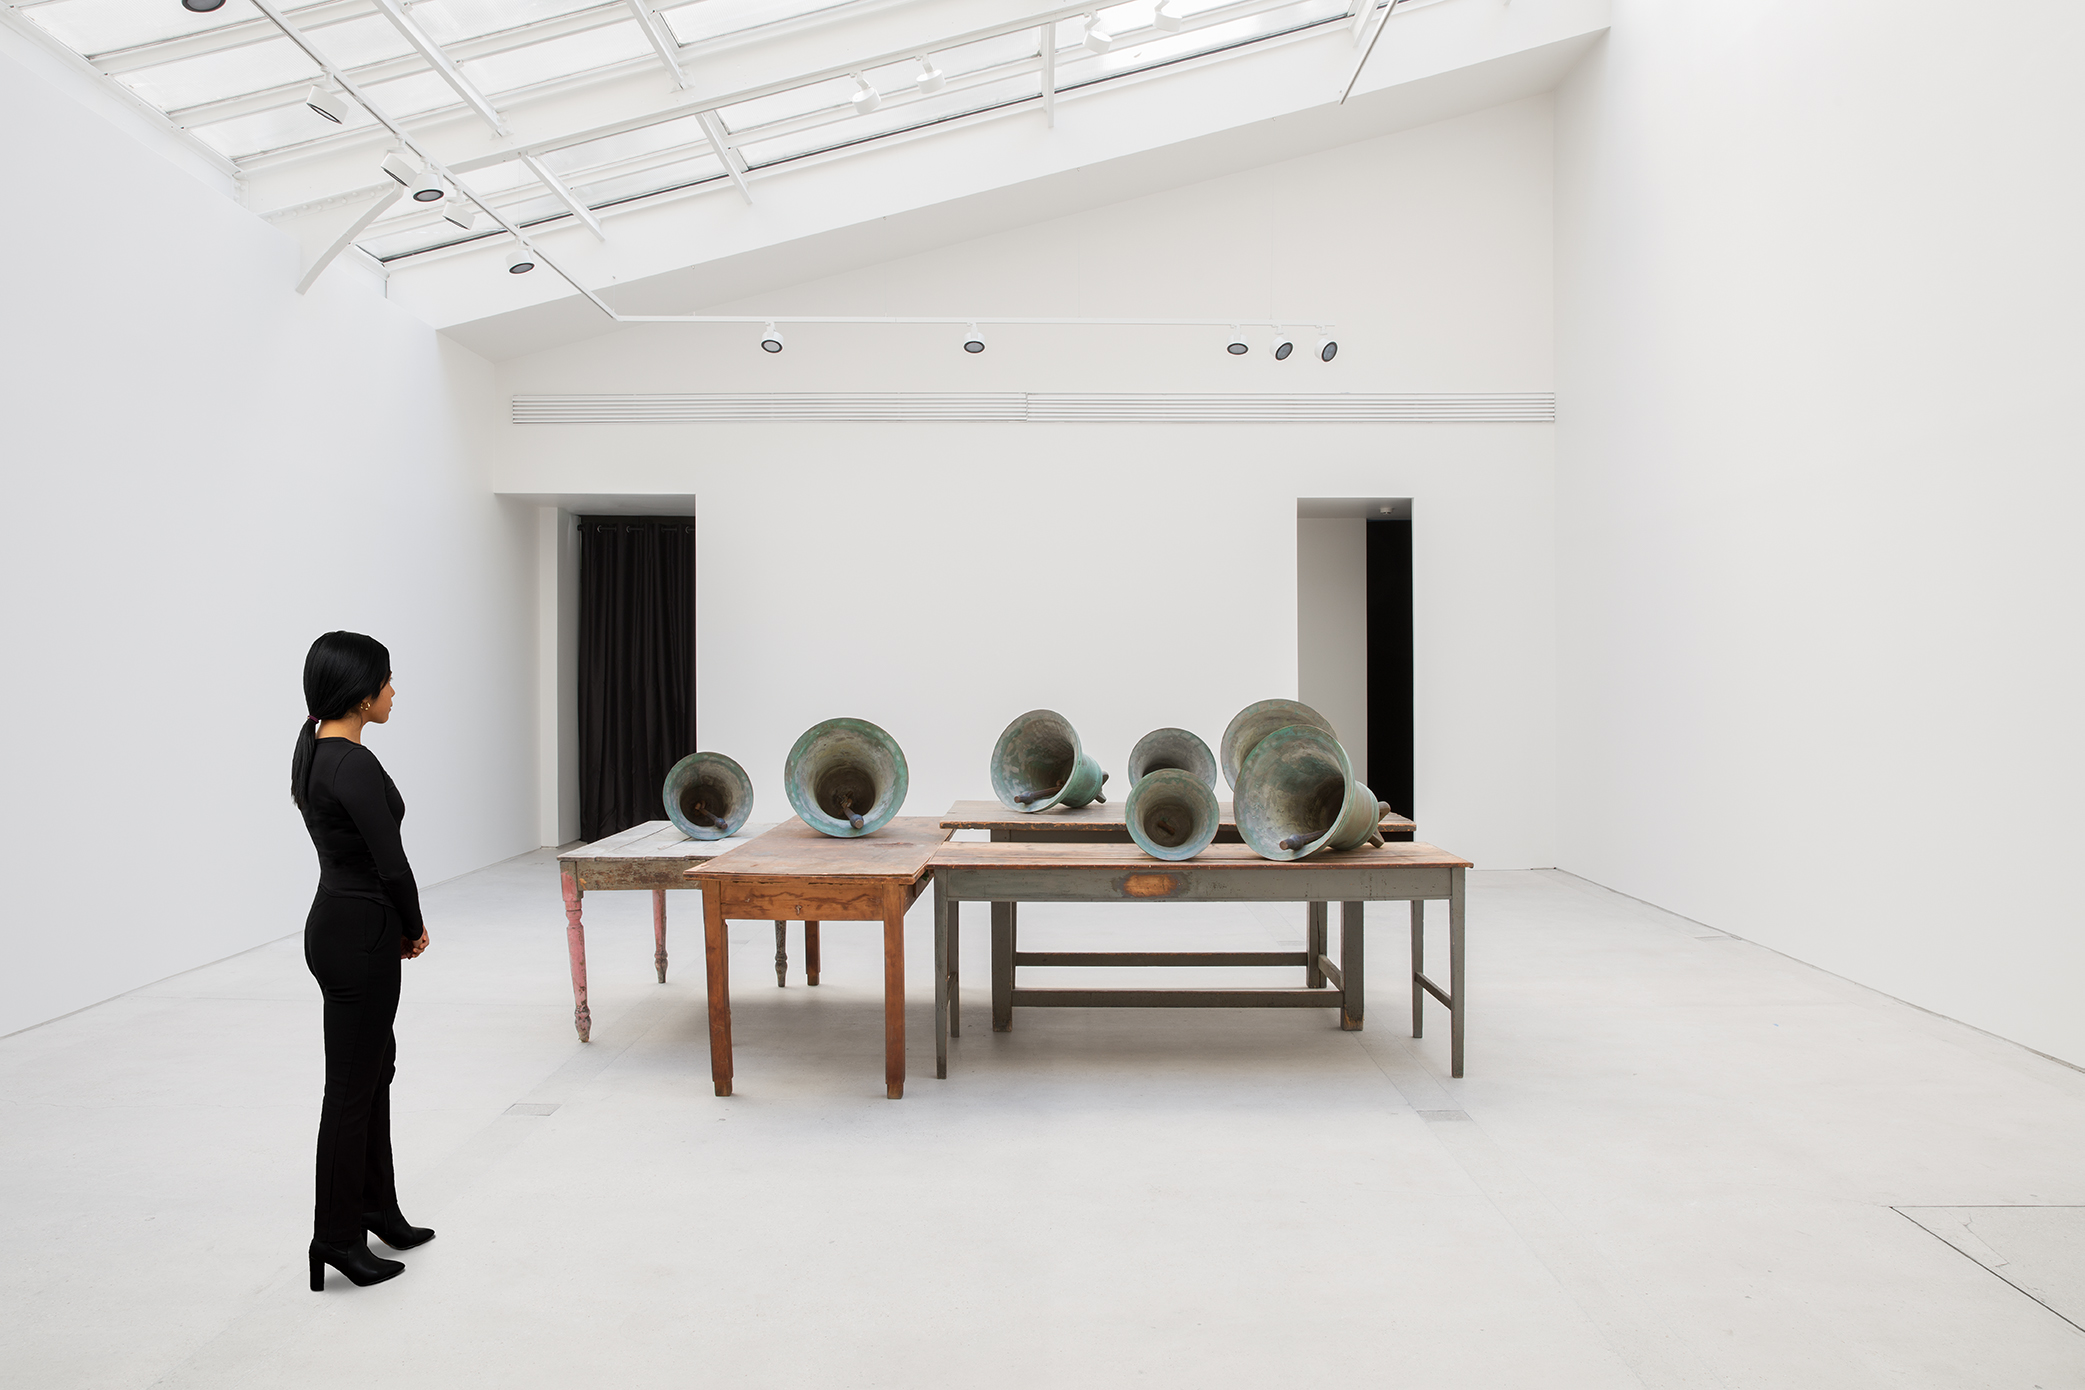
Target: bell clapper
(847,810)
(1026,797)
(1297,841)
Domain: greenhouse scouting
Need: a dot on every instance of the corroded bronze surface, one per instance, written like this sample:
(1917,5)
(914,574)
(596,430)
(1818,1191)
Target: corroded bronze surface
(1163,748)
(1172,814)
(1297,795)
(845,777)
(1038,763)
(1255,722)
(708,796)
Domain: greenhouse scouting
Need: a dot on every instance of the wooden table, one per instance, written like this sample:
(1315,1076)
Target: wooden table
(794,873)
(653,856)
(1068,872)
(1100,822)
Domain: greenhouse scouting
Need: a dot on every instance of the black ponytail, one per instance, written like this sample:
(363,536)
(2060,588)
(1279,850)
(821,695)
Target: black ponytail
(341,670)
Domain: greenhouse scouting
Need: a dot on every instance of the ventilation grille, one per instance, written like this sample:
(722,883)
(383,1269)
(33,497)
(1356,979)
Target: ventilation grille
(1041,407)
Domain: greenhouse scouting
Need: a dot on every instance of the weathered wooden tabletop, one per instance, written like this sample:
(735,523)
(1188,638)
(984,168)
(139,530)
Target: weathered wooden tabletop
(898,852)
(1228,858)
(652,855)
(1097,819)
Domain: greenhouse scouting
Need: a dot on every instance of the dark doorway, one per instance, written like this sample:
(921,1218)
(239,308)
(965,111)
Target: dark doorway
(1390,734)
(636,665)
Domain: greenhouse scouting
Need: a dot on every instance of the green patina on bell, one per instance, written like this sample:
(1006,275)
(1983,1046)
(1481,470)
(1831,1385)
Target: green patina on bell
(1038,763)
(1297,795)
(1172,814)
(708,796)
(845,777)
(1172,748)
(1255,722)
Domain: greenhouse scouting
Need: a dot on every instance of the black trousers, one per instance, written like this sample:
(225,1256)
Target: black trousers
(351,946)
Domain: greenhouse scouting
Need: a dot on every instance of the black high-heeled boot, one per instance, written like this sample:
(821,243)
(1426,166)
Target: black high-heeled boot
(355,1261)
(392,1229)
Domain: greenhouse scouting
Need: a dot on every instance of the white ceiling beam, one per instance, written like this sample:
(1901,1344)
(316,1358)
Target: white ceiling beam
(243,34)
(406,141)
(1362,62)
(1047,42)
(442,63)
(662,40)
(564,195)
(726,152)
(347,238)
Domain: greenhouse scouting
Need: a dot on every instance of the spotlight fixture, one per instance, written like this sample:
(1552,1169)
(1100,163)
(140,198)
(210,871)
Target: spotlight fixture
(1282,346)
(771,341)
(401,169)
(331,104)
(1097,39)
(461,213)
(865,100)
(521,260)
(428,188)
(1327,348)
(930,78)
(1164,20)
(1237,345)
(202,6)
(973,341)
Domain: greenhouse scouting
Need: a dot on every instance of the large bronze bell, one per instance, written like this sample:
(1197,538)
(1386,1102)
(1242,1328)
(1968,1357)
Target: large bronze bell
(1038,763)
(708,796)
(1255,722)
(845,777)
(1297,795)
(1172,814)
(1176,748)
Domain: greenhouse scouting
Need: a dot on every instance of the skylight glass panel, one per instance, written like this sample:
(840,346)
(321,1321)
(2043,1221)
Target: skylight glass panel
(1076,66)
(631,144)
(217,76)
(622,187)
(800,138)
(370,39)
(103,26)
(559,57)
(710,19)
(819,97)
(451,21)
(413,95)
(275,129)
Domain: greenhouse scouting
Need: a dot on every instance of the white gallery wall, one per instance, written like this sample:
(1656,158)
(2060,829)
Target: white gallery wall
(203,471)
(1819,294)
(940,578)
(1332,627)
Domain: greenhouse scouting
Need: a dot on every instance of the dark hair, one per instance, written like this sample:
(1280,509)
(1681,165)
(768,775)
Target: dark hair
(341,670)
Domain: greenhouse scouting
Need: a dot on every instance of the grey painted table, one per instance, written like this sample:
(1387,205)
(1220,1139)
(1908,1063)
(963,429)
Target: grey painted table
(653,856)
(1004,873)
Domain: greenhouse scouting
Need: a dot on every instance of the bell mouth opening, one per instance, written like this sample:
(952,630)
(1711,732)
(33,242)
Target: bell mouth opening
(1170,822)
(845,793)
(709,804)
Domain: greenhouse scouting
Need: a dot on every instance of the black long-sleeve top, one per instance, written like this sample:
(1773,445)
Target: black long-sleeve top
(352,811)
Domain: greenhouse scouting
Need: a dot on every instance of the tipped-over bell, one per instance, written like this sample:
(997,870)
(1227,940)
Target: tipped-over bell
(1255,722)
(1297,795)
(1038,763)
(1172,814)
(845,777)
(1176,748)
(708,796)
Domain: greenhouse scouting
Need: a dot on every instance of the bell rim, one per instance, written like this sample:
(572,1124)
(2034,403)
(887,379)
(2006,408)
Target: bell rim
(707,759)
(901,783)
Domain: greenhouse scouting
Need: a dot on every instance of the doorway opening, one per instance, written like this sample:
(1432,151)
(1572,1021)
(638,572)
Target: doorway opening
(1354,660)
(636,665)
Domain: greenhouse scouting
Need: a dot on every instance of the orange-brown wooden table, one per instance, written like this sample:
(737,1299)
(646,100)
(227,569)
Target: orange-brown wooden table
(794,873)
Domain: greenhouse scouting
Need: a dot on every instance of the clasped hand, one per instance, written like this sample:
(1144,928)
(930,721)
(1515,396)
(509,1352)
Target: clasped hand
(409,949)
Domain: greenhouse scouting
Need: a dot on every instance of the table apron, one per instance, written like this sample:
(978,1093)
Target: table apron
(1184,882)
(808,899)
(607,875)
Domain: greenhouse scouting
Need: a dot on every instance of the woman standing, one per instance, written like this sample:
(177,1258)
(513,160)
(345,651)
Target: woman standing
(365,919)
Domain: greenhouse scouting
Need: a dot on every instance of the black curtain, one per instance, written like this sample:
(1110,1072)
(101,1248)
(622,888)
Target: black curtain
(636,665)
(1390,732)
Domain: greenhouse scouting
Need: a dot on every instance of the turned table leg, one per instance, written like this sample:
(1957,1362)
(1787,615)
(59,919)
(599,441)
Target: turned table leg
(575,942)
(659,932)
(716,953)
(781,955)
(810,953)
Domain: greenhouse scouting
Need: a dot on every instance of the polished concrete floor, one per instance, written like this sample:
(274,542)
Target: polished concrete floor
(1677,1160)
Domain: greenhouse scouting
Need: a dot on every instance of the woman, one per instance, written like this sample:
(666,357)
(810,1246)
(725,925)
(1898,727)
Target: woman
(365,919)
